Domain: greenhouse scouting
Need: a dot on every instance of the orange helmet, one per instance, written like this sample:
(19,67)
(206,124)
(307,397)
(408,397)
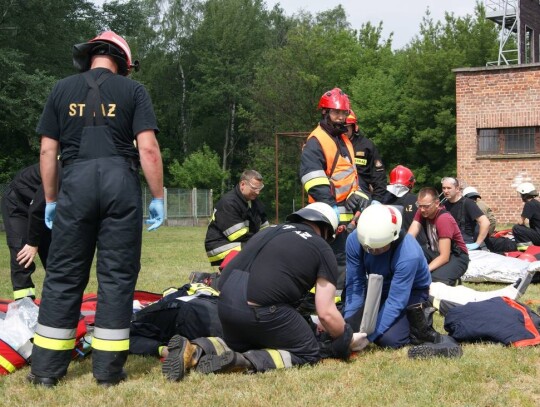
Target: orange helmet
(351,119)
(335,99)
(403,176)
(106,43)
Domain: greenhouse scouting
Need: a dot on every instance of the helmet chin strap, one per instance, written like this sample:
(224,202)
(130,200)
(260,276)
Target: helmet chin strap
(335,125)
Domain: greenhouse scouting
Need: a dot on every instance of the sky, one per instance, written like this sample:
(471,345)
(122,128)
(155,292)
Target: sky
(403,18)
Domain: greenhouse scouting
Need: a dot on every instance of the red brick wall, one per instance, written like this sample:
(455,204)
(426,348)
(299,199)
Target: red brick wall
(497,97)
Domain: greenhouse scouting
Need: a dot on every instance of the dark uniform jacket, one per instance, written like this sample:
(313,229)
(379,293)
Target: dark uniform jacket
(234,221)
(369,166)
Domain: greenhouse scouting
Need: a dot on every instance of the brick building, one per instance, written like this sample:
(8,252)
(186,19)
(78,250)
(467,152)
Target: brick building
(498,133)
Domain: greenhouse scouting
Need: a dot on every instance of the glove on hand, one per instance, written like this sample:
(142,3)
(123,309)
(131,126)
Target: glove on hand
(357,201)
(156,211)
(472,246)
(359,341)
(336,210)
(50,213)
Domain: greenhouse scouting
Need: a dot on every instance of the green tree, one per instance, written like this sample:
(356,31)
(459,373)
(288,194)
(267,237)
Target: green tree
(200,169)
(22,96)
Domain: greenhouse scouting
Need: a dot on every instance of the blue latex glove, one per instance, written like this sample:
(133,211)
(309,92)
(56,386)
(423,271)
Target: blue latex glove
(336,210)
(472,246)
(50,213)
(157,214)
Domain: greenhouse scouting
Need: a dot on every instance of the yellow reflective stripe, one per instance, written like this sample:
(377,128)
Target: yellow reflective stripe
(218,346)
(276,358)
(203,288)
(235,228)
(345,217)
(265,225)
(436,303)
(315,182)
(24,292)
(236,235)
(224,254)
(6,364)
(110,346)
(54,344)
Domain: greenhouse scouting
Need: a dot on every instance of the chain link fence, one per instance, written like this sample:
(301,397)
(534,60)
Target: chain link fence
(183,207)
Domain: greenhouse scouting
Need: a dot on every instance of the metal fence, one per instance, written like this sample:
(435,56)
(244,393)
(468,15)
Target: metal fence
(183,207)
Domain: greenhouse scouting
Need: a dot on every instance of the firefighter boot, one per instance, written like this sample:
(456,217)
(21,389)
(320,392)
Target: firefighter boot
(227,362)
(446,347)
(183,355)
(420,318)
(42,381)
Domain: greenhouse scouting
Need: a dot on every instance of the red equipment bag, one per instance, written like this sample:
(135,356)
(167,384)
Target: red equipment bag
(10,359)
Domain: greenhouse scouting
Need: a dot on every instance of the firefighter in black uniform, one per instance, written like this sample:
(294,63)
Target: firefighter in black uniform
(260,289)
(327,168)
(369,165)
(238,215)
(93,119)
(23,210)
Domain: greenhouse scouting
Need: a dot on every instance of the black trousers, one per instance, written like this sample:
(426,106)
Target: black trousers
(451,272)
(99,206)
(523,233)
(251,328)
(15,216)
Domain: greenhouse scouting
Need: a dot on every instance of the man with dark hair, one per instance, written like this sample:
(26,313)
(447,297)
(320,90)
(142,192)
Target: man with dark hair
(467,214)
(327,168)
(238,215)
(93,119)
(445,252)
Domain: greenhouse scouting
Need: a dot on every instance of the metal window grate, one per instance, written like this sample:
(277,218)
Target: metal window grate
(519,140)
(488,141)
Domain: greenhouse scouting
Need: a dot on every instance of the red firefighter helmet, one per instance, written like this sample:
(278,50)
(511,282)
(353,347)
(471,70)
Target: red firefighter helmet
(335,99)
(403,176)
(106,43)
(351,119)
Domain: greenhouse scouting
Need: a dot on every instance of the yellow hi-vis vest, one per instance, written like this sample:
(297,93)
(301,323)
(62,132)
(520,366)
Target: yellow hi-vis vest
(344,178)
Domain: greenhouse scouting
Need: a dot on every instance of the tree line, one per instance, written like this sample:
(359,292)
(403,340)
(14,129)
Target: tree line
(226,75)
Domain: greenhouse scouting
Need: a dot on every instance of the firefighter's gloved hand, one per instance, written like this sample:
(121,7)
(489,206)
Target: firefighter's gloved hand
(359,341)
(336,210)
(357,201)
(472,246)
(50,213)
(157,214)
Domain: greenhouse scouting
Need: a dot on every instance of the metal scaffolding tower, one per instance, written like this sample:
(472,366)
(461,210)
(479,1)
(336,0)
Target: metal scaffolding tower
(506,14)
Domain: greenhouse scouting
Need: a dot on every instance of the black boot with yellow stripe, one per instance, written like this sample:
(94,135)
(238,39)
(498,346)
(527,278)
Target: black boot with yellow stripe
(228,362)
(184,355)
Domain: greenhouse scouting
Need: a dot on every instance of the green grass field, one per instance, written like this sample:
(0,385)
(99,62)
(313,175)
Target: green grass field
(486,375)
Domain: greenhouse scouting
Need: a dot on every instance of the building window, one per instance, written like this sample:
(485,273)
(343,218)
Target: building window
(507,141)
(529,45)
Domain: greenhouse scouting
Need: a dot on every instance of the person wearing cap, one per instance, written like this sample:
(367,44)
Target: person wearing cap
(380,246)
(472,193)
(530,215)
(103,126)
(327,168)
(259,291)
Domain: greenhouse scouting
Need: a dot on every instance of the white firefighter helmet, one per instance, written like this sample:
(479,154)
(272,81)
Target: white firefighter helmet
(378,226)
(317,212)
(527,188)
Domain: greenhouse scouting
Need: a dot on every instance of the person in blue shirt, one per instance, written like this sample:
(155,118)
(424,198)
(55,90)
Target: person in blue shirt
(379,246)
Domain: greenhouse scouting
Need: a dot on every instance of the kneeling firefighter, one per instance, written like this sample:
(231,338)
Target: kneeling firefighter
(260,288)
